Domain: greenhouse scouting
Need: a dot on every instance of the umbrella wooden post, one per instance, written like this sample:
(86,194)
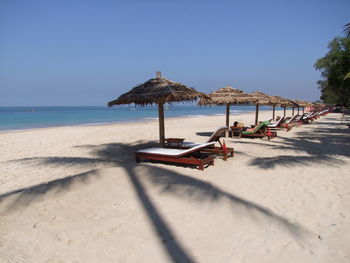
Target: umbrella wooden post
(298,110)
(303,110)
(293,111)
(273,112)
(257,114)
(161,124)
(284,112)
(227,118)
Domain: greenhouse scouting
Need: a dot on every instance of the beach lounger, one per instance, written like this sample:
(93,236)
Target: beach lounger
(182,156)
(313,115)
(215,137)
(289,122)
(309,117)
(290,119)
(276,124)
(296,121)
(259,131)
(325,112)
(279,125)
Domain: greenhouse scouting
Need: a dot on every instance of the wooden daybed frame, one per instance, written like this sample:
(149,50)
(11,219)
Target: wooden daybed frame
(215,137)
(182,156)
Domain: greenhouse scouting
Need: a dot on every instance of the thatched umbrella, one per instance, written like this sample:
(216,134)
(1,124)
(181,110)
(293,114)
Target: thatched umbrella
(318,105)
(158,91)
(301,103)
(226,96)
(259,98)
(282,102)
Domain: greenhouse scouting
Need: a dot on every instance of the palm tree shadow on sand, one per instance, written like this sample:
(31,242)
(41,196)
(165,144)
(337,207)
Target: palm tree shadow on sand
(321,145)
(168,182)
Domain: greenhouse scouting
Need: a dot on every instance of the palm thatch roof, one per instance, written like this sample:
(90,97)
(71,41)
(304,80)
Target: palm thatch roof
(259,97)
(301,103)
(157,91)
(317,104)
(226,95)
(280,101)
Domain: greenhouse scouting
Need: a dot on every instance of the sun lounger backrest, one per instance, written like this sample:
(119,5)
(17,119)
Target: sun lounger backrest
(277,123)
(307,115)
(262,124)
(258,127)
(298,118)
(175,153)
(197,148)
(281,120)
(291,119)
(217,134)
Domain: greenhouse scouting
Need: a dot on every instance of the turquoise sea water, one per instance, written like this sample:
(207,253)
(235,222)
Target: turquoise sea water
(19,118)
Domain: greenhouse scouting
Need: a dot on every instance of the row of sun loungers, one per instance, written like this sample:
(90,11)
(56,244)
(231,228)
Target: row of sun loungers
(203,154)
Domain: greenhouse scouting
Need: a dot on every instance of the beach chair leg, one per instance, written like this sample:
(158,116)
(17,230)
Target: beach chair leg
(228,154)
(201,166)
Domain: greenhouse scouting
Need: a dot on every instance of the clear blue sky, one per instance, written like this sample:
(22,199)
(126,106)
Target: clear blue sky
(72,52)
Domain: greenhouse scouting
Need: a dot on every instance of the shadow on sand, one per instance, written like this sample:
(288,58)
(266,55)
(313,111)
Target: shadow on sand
(204,134)
(168,182)
(319,145)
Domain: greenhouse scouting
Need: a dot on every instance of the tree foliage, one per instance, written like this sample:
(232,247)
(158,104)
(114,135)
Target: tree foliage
(347,76)
(334,66)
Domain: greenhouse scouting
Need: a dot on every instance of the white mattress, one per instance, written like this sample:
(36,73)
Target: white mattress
(190,144)
(174,152)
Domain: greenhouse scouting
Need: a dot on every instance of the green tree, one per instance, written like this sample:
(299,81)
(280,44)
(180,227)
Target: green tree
(334,66)
(347,32)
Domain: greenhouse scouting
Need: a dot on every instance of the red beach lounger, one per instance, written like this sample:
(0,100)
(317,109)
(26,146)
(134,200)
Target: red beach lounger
(187,156)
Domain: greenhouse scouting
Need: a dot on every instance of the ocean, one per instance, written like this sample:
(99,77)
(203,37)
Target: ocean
(20,118)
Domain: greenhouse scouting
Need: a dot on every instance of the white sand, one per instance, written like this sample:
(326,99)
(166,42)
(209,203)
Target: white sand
(75,194)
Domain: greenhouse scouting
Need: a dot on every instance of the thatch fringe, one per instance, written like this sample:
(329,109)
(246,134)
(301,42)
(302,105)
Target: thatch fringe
(282,102)
(158,91)
(301,103)
(226,95)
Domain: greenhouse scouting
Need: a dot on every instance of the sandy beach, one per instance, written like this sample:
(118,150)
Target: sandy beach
(75,194)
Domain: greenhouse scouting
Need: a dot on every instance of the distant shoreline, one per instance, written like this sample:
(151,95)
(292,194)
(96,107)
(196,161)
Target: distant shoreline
(14,119)
(146,120)
(134,122)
